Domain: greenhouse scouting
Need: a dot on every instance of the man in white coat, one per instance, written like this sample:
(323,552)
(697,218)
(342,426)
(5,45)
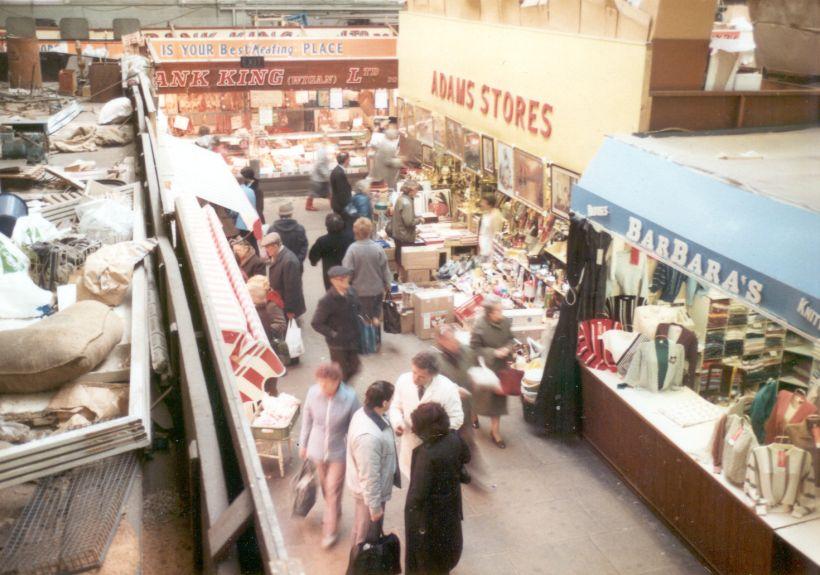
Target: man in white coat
(424,384)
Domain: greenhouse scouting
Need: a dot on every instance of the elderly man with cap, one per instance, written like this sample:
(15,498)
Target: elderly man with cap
(284,275)
(292,232)
(337,318)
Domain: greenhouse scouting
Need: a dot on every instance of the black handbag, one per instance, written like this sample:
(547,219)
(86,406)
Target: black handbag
(379,554)
(391,316)
(304,490)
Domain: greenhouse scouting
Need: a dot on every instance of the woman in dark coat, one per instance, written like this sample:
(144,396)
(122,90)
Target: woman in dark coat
(492,340)
(331,248)
(433,513)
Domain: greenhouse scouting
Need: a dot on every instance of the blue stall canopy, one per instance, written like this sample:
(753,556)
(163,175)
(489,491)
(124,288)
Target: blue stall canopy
(739,211)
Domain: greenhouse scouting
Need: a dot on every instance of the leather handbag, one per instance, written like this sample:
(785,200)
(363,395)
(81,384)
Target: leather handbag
(510,380)
(378,554)
(391,318)
(304,490)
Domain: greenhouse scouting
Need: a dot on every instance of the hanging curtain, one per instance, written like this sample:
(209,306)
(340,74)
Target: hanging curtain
(558,405)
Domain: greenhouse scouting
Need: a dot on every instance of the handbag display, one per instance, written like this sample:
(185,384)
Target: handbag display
(378,554)
(391,318)
(304,490)
(510,380)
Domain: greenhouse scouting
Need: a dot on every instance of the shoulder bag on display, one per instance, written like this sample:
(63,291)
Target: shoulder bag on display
(293,339)
(391,318)
(304,490)
(379,554)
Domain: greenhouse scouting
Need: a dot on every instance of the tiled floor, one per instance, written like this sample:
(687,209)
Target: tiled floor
(553,507)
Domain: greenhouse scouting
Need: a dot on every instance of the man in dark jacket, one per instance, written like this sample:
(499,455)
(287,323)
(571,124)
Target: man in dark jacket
(339,185)
(291,232)
(337,318)
(284,275)
(331,247)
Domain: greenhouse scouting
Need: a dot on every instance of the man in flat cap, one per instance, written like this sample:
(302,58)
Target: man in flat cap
(292,232)
(284,275)
(337,318)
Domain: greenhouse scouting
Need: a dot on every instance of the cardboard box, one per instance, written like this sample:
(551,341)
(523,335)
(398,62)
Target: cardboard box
(390,253)
(414,276)
(420,258)
(786,49)
(408,317)
(431,309)
(525,317)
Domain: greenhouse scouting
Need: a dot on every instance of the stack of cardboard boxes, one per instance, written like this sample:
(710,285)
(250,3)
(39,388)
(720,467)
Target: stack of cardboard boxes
(424,308)
(419,263)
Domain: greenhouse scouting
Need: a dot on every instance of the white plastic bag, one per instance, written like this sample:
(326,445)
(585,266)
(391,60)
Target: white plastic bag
(34,228)
(293,340)
(21,298)
(12,259)
(484,377)
(107,221)
(115,111)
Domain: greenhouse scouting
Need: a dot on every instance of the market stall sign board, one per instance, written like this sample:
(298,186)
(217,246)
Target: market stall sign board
(305,75)
(272,49)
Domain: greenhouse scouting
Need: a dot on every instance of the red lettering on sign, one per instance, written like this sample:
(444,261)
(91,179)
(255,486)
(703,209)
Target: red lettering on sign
(258,77)
(470,99)
(546,110)
(520,110)
(226,78)
(179,79)
(433,90)
(277,74)
(509,107)
(199,79)
(354,77)
(160,79)
(485,103)
(532,117)
(496,94)
(461,92)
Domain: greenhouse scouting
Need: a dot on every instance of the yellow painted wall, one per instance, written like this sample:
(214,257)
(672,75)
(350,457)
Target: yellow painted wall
(594,85)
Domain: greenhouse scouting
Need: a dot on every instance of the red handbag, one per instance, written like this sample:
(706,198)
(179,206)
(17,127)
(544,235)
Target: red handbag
(510,380)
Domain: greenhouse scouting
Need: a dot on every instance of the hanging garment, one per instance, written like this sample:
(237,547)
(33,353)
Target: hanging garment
(647,318)
(762,407)
(591,349)
(788,408)
(731,443)
(629,355)
(627,271)
(653,360)
(621,308)
(780,479)
(689,341)
(694,289)
(557,408)
(668,281)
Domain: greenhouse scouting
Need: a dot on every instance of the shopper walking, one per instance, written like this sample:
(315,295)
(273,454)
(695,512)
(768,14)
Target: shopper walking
(284,275)
(241,225)
(386,160)
(249,262)
(433,510)
(292,232)
(337,318)
(454,362)
(492,222)
(371,274)
(493,341)
(361,199)
(423,384)
(404,218)
(319,175)
(327,411)
(340,189)
(330,248)
(268,308)
(250,176)
(372,461)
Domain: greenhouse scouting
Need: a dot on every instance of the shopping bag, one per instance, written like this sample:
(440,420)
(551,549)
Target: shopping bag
(510,380)
(379,554)
(368,337)
(391,318)
(294,339)
(484,377)
(304,490)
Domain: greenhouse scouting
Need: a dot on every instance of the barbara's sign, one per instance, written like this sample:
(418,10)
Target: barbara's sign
(526,114)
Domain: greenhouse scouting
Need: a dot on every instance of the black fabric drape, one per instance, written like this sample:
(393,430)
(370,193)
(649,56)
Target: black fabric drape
(558,405)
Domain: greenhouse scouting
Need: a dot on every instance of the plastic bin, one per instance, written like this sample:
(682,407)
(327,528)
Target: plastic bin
(11,208)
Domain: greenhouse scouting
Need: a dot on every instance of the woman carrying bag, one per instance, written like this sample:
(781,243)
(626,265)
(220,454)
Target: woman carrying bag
(493,341)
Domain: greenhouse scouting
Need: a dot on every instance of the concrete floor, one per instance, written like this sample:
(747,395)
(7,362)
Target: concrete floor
(554,507)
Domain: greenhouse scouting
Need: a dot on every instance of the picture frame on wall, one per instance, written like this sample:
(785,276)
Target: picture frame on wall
(506,172)
(529,179)
(562,181)
(437,202)
(439,130)
(487,155)
(455,138)
(428,157)
(472,150)
(424,125)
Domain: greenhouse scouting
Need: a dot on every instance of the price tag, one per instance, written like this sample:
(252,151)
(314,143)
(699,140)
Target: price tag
(782,459)
(735,436)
